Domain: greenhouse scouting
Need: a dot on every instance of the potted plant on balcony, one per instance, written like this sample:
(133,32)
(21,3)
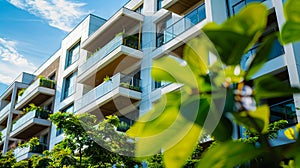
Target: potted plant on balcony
(45,82)
(131,41)
(21,91)
(106,78)
(127,85)
(33,144)
(31,107)
(39,111)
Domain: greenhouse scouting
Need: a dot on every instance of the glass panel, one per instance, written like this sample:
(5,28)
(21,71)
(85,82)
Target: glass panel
(285,110)
(277,50)
(165,35)
(69,86)
(72,55)
(159,4)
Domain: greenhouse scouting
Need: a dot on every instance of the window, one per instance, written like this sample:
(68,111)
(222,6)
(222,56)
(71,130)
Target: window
(283,109)
(234,6)
(44,139)
(277,49)
(159,4)
(59,131)
(69,108)
(52,77)
(125,124)
(69,86)
(139,9)
(49,107)
(161,35)
(72,55)
(160,84)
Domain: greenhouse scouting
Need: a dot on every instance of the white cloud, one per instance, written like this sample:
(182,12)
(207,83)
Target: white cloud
(61,14)
(12,63)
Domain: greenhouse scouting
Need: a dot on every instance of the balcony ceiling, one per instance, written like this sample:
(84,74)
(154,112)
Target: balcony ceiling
(124,19)
(37,100)
(113,106)
(30,131)
(110,68)
(181,7)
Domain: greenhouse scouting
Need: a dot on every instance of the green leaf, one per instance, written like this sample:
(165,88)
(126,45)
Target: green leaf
(179,153)
(169,69)
(297,160)
(229,154)
(195,53)
(290,133)
(223,131)
(291,29)
(195,109)
(236,35)
(268,86)
(260,117)
(146,146)
(233,74)
(165,120)
(159,118)
(290,32)
(261,56)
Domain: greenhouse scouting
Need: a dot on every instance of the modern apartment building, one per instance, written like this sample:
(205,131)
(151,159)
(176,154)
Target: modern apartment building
(104,67)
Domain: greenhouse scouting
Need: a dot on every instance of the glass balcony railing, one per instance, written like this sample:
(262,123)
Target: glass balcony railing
(240,5)
(19,152)
(104,88)
(182,25)
(122,39)
(276,51)
(41,82)
(3,132)
(28,116)
(5,110)
(284,110)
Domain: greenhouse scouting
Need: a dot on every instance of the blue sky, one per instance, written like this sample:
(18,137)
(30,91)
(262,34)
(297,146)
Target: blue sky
(31,30)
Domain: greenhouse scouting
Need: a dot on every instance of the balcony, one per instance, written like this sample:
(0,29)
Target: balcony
(38,92)
(110,96)
(27,152)
(30,124)
(277,50)
(180,7)
(236,7)
(116,55)
(284,110)
(3,136)
(4,114)
(182,25)
(124,20)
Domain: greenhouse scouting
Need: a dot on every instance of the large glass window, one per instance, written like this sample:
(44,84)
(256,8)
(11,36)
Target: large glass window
(159,4)
(277,49)
(161,36)
(139,9)
(70,109)
(160,84)
(72,54)
(283,109)
(69,86)
(234,6)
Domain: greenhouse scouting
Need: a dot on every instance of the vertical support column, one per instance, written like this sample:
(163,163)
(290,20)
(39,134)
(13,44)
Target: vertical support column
(10,117)
(148,44)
